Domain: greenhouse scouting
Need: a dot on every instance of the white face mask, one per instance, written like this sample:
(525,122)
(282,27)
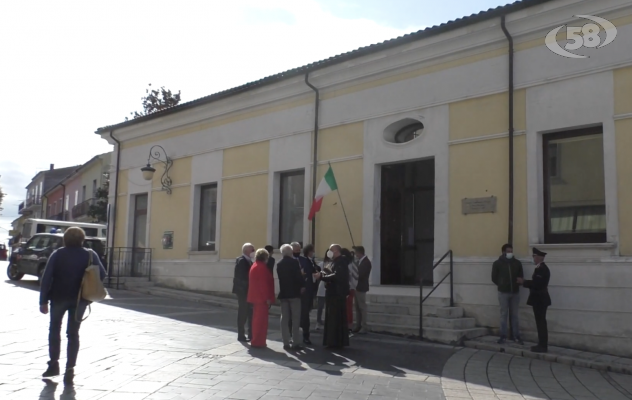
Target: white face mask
(509,256)
(330,254)
(252,255)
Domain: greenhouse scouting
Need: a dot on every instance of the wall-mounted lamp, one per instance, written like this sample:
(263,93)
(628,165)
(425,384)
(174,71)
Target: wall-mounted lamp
(148,171)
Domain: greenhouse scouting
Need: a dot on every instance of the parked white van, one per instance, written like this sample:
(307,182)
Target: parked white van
(34,225)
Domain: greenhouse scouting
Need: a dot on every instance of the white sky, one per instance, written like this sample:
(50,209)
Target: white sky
(70,67)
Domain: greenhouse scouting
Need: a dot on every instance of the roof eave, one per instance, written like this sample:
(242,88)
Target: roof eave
(318,65)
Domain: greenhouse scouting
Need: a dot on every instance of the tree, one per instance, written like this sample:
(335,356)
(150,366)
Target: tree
(99,210)
(157,100)
(1,198)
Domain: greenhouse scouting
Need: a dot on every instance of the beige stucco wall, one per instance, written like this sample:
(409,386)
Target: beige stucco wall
(344,142)
(476,170)
(244,214)
(168,213)
(244,208)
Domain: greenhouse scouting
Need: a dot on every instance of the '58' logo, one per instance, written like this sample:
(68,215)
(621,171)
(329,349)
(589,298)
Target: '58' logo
(582,36)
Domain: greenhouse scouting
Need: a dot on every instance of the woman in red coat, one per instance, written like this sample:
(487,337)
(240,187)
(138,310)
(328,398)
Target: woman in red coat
(261,296)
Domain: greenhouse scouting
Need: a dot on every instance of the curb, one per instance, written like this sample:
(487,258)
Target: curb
(551,357)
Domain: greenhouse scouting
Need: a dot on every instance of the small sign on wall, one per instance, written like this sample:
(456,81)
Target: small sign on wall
(167,240)
(480,205)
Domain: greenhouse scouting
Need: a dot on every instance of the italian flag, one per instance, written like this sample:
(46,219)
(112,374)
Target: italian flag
(326,186)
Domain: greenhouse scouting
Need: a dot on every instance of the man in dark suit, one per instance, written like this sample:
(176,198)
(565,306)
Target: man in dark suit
(309,268)
(291,286)
(240,288)
(271,260)
(364,272)
(539,299)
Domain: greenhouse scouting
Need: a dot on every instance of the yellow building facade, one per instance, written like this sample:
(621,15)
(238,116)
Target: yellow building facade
(417,133)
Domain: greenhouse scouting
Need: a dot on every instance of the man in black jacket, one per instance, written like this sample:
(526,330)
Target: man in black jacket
(291,287)
(240,288)
(271,260)
(364,272)
(507,275)
(539,299)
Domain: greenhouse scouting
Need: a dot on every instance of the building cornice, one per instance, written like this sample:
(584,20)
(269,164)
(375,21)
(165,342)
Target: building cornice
(526,25)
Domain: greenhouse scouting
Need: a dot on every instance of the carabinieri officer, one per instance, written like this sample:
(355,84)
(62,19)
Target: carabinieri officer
(539,299)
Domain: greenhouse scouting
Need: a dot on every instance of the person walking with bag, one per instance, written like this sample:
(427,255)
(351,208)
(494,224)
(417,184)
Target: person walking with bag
(68,269)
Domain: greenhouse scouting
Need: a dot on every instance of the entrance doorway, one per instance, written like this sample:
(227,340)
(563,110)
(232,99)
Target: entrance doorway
(407,223)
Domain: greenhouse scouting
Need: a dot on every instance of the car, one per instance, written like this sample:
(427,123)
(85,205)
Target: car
(34,254)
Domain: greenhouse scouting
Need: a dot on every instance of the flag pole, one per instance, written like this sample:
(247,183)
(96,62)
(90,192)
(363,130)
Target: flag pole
(344,212)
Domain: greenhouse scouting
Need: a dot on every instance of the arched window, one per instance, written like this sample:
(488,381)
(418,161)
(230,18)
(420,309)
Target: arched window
(403,131)
(409,132)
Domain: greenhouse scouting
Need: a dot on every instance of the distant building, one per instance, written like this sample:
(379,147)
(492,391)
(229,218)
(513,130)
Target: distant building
(41,183)
(71,198)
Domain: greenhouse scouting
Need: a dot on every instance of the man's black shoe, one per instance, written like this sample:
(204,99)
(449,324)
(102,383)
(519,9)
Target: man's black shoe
(69,377)
(307,341)
(297,347)
(287,347)
(539,349)
(53,370)
(243,339)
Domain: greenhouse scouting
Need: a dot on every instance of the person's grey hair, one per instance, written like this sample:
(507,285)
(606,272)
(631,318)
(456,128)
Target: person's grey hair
(337,246)
(295,244)
(287,250)
(245,247)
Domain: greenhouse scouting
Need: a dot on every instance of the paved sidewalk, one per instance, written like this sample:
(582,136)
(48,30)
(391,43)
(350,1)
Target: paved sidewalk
(139,347)
(144,347)
(561,355)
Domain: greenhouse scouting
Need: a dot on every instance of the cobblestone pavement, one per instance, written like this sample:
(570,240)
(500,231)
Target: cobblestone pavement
(142,347)
(474,374)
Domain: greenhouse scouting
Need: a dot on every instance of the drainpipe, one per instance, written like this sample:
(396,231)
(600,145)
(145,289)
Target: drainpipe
(63,203)
(45,209)
(315,160)
(511,140)
(113,214)
(511,129)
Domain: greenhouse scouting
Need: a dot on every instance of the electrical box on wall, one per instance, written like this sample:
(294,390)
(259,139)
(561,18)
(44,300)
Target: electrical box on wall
(167,240)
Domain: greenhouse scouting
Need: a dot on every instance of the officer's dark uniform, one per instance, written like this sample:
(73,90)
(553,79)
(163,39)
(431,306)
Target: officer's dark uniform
(540,300)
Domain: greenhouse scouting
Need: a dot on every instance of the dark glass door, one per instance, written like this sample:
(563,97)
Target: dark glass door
(407,223)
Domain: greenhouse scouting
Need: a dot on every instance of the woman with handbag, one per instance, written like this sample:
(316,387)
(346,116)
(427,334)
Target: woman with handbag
(62,287)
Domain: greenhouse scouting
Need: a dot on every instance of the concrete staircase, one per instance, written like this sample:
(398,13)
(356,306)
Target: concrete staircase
(397,314)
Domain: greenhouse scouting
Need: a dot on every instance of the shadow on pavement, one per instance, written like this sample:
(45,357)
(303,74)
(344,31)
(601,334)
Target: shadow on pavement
(372,352)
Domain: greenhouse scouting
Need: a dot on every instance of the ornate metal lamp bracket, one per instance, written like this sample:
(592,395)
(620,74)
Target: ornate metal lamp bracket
(165,180)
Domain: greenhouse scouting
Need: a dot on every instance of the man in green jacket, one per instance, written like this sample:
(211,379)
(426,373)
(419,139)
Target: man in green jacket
(507,275)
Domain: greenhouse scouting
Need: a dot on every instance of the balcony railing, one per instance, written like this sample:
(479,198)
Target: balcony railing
(21,206)
(33,201)
(62,216)
(82,208)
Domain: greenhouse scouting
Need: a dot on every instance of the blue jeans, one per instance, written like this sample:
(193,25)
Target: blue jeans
(509,302)
(57,311)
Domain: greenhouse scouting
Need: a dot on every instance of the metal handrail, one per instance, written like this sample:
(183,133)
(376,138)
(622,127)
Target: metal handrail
(421,290)
(124,262)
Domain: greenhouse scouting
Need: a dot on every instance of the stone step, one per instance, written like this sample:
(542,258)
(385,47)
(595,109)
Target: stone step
(446,336)
(450,312)
(134,284)
(406,300)
(400,309)
(413,321)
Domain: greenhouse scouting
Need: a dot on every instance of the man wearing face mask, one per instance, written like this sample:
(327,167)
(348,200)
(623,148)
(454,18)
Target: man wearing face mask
(336,334)
(240,288)
(507,275)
